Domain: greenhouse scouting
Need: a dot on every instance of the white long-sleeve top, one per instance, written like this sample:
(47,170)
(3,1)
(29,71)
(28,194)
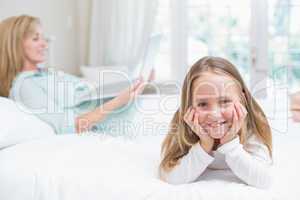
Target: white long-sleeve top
(251,163)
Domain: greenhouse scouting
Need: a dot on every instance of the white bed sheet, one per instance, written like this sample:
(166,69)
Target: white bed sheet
(71,167)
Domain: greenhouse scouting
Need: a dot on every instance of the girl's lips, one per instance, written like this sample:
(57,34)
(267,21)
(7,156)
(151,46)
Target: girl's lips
(218,130)
(214,125)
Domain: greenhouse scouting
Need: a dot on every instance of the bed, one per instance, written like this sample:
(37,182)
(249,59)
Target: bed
(97,166)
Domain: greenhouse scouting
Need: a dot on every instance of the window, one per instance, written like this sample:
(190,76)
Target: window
(219,28)
(232,29)
(284,41)
(162,28)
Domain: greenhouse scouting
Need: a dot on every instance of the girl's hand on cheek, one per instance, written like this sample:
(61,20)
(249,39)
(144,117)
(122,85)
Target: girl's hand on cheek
(239,114)
(191,118)
(228,112)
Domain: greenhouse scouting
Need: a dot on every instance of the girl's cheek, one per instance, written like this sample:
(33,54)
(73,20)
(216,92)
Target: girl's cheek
(228,112)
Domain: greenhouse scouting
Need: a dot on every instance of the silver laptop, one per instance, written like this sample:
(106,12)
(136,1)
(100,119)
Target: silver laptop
(105,91)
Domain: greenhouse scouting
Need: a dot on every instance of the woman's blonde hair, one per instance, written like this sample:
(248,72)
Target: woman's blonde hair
(180,137)
(13,30)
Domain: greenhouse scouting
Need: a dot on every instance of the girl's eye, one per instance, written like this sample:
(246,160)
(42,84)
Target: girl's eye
(225,101)
(202,104)
(35,39)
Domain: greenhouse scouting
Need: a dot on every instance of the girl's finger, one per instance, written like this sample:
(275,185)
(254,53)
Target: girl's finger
(191,115)
(239,122)
(233,127)
(242,114)
(185,117)
(235,116)
(244,110)
(237,111)
(197,125)
(234,121)
(196,119)
(201,131)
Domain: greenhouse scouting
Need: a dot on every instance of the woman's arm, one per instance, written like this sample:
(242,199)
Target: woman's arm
(190,166)
(250,163)
(85,121)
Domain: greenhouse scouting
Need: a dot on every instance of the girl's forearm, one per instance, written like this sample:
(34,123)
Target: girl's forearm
(252,169)
(190,166)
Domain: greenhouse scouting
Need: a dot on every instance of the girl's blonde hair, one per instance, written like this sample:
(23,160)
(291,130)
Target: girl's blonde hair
(180,137)
(13,31)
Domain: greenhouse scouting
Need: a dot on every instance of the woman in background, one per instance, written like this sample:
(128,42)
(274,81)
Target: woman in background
(22,49)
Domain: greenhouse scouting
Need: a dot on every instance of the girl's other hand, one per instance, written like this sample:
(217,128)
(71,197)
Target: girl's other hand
(238,118)
(191,117)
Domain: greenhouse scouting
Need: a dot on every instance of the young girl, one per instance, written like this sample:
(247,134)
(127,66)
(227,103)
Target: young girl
(219,125)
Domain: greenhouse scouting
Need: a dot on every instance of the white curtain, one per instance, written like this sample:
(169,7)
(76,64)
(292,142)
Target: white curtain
(259,48)
(120,31)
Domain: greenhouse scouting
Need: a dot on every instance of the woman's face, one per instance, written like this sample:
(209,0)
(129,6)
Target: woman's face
(213,97)
(35,47)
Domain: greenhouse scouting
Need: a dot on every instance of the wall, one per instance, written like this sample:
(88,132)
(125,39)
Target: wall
(84,14)
(59,19)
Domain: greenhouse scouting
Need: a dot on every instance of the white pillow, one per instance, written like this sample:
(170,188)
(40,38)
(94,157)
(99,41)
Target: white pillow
(18,126)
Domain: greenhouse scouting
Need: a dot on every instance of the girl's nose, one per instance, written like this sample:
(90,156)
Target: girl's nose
(215,113)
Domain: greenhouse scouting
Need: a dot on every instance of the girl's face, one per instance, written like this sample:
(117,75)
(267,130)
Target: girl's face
(35,47)
(213,97)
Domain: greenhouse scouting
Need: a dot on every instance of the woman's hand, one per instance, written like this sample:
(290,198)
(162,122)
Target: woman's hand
(238,119)
(191,117)
(130,93)
(84,122)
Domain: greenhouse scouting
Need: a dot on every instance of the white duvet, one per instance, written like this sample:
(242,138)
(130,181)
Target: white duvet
(72,167)
(94,167)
